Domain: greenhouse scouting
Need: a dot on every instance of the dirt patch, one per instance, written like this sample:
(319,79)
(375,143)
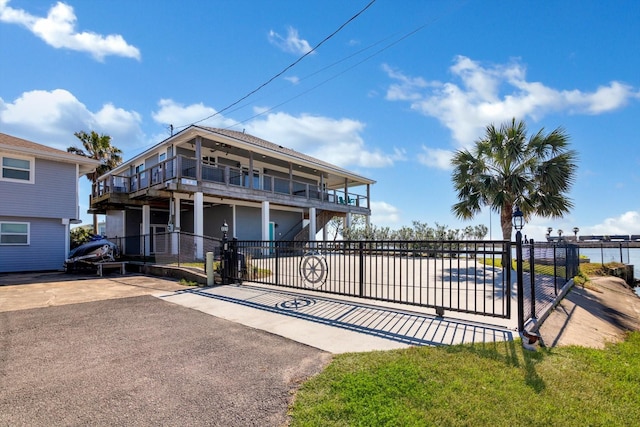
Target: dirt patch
(25,291)
(593,317)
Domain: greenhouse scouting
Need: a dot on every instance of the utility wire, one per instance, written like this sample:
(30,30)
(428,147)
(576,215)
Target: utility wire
(286,68)
(379,51)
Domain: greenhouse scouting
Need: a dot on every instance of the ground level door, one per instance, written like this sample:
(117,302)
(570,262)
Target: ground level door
(158,239)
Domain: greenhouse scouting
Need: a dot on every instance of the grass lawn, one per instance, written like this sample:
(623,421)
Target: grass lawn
(476,385)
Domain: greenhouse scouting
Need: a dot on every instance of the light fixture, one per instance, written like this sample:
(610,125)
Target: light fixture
(518,219)
(225,227)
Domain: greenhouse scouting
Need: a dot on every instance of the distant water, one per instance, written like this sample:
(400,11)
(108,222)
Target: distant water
(628,256)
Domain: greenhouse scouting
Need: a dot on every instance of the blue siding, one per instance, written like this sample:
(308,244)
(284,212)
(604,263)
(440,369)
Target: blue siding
(53,195)
(45,250)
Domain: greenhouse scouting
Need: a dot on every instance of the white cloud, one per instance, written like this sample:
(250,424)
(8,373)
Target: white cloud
(58,29)
(337,141)
(293,79)
(384,215)
(292,43)
(626,223)
(179,115)
(51,118)
(494,94)
(435,157)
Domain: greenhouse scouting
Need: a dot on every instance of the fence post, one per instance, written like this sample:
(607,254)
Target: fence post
(555,267)
(361,269)
(506,248)
(519,279)
(224,260)
(277,253)
(566,263)
(532,275)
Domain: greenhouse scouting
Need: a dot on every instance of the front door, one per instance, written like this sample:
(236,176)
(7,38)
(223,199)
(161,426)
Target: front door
(159,238)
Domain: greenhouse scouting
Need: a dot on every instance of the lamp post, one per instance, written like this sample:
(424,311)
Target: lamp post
(224,256)
(575,233)
(560,235)
(518,223)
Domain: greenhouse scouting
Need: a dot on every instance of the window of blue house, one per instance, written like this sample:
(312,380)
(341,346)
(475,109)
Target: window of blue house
(17,169)
(14,233)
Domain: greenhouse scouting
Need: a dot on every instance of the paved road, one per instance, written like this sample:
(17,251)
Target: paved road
(143,361)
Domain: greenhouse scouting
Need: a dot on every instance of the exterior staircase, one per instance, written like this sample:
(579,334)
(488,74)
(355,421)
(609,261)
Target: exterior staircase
(322,219)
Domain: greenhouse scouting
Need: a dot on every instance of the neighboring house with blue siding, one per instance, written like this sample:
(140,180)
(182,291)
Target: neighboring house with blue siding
(38,202)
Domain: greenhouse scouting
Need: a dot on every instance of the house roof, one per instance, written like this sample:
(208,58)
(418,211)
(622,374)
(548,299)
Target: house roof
(16,145)
(255,144)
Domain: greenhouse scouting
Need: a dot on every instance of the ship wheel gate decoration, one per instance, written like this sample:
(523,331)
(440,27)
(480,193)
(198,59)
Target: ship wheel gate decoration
(314,269)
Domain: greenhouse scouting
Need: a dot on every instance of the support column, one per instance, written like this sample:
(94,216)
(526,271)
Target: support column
(265,225)
(67,236)
(346,191)
(325,232)
(348,220)
(198,223)
(265,220)
(198,149)
(312,224)
(175,211)
(146,229)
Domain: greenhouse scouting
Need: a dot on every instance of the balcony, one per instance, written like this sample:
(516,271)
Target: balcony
(180,174)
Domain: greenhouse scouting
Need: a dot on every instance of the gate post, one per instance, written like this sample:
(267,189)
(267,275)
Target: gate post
(532,275)
(518,223)
(361,269)
(224,256)
(519,280)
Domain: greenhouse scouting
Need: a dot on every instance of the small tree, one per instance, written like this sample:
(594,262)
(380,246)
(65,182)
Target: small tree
(97,147)
(79,236)
(506,168)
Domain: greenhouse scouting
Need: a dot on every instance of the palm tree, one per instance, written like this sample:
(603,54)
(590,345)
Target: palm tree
(97,147)
(506,169)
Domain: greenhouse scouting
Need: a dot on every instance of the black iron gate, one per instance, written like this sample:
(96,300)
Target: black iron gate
(461,276)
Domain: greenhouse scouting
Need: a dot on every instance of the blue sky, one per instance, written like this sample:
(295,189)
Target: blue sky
(390,96)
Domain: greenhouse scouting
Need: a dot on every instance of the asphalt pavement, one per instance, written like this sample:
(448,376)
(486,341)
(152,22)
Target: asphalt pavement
(138,350)
(143,361)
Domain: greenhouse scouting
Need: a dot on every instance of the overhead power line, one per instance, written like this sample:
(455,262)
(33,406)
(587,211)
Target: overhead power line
(374,54)
(286,68)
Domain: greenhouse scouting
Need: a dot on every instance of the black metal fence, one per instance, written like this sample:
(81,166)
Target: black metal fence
(606,252)
(175,248)
(547,267)
(461,276)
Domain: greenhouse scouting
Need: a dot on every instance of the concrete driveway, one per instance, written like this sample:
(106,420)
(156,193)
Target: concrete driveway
(103,351)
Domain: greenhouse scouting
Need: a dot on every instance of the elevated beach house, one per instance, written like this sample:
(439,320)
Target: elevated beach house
(201,178)
(38,202)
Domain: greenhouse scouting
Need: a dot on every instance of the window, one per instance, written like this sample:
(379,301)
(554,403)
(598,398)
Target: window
(18,169)
(14,233)
(256,178)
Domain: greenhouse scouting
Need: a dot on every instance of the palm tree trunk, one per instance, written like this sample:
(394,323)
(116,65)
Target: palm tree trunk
(505,222)
(95,224)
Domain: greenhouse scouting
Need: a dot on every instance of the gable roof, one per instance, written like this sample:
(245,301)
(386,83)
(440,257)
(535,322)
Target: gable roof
(17,145)
(252,143)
